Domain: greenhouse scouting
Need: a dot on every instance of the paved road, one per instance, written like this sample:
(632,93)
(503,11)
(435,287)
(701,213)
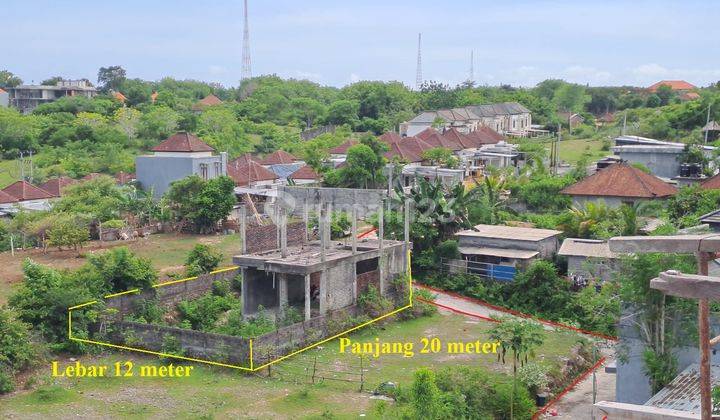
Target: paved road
(576,404)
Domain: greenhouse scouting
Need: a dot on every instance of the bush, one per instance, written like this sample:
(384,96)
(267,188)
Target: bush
(113,224)
(202,259)
(122,270)
(7,384)
(16,350)
(373,304)
(203,313)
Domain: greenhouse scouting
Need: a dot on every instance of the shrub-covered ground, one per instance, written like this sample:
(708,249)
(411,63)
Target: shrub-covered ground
(220,393)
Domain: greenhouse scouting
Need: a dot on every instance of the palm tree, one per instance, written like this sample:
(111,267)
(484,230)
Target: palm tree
(520,338)
(584,218)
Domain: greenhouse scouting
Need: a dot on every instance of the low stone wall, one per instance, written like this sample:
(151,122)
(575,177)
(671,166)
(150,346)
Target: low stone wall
(195,344)
(276,344)
(172,293)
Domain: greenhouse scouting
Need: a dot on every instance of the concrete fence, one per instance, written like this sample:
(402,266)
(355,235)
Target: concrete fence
(172,294)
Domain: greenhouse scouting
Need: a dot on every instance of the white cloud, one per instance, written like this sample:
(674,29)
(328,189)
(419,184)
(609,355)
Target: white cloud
(305,75)
(354,78)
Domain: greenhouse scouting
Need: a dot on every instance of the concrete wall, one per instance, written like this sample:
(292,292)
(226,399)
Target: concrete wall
(614,410)
(600,268)
(195,344)
(4,99)
(662,161)
(158,172)
(171,294)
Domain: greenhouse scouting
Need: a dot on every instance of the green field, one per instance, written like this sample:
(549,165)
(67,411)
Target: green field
(213,392)
(9,172)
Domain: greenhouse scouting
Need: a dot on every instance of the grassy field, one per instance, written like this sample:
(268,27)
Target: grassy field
(571,151)
(212,392)
(9,172)
(166,251)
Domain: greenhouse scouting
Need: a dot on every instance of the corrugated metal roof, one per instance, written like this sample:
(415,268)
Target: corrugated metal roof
(683,392)
(509,232)
(577,247)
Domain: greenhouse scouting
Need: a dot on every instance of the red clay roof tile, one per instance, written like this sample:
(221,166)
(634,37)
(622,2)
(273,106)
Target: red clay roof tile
(621,180)
(23,190)
(182,141)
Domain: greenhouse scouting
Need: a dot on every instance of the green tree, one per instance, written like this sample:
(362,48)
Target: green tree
(122,270)
(441,156)
(111,78)
(344,111)
(426,396)
(571,97)
(202,259)
(159,122)
(8,79)
(307,110)
(199,205)
(68,231)
(520,338)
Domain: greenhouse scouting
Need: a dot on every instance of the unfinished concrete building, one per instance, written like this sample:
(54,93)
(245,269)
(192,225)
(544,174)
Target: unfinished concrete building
(323,275)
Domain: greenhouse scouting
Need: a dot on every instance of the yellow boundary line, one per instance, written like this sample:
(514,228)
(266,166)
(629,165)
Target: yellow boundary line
(252,367)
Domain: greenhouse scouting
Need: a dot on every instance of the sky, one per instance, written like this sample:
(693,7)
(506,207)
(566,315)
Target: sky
(521,43)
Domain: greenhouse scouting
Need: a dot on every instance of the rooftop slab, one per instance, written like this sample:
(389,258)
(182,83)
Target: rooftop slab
(307,258)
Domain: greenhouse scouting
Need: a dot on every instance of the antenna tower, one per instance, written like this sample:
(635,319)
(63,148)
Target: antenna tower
(246,72)
(418,76)
(472,67)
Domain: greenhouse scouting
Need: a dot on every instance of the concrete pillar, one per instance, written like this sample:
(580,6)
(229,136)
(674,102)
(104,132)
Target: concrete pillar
(283,234)
(244,292)
(243,229)
(308,298)
(276,212)
(321,231)
(306,219)
(323,292)
(381,252)
(282,292)
(354,229)
(406,248)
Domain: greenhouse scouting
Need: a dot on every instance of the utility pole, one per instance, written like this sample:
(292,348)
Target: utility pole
(624,123)
(22,166)
(418,73)
(707,122)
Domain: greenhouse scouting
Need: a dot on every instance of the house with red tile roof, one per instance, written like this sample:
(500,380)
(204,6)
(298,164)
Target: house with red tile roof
(210,100)
(6,198)
(25,191)
(712,183)
(409,150)
(485,135)
(56,186)
(675,85)
(179,156)
(619,184)
(306,175)
(340,151)
(389,137)
(279,157)
(247,172)
(435,139)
